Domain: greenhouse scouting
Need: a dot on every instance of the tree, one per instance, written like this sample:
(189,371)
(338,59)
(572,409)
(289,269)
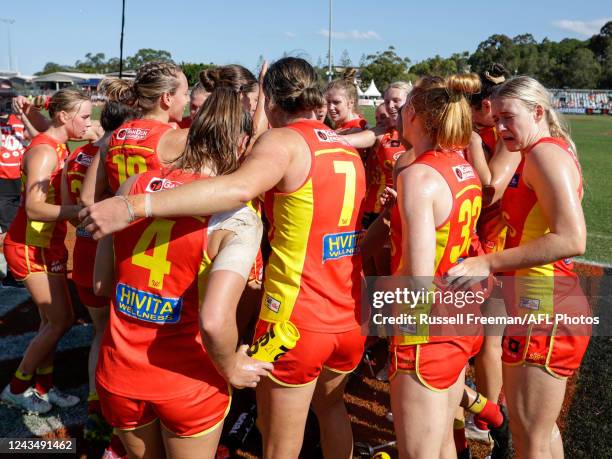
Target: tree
(345,59)
(497,48)
(384,68)
(145,55)
(192,71)
(582,69)
(435,66)
(51,67)
(93,63)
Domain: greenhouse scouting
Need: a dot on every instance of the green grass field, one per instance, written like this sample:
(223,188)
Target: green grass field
(593,138)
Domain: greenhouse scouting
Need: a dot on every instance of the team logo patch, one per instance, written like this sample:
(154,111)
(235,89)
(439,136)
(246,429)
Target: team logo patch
(132,134)
(159,184)
(340,245)
(515,181)
(529,303)
(83,159)
(272,304)
(463,172)
(146,306)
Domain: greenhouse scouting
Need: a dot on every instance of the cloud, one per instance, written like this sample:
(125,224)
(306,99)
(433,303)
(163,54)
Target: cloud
(586,28)
(351,35)
(290,34)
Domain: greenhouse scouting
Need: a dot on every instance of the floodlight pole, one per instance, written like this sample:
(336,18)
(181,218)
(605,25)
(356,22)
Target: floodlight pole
(329,45)
(121,41)
(8,23)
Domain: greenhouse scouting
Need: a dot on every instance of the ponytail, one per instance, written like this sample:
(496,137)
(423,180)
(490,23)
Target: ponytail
(215,133)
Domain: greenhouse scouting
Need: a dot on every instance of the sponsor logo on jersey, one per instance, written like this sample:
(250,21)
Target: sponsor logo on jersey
(146,306)
(83,159)
(159,184)
(463,172)
(515,181)
(529,303)
(340,245)
(57,266)
(272,304)
(132,134)
(329,136)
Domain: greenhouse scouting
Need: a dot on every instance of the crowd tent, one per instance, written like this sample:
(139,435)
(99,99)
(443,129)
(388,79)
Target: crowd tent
(372,91)
(58,80)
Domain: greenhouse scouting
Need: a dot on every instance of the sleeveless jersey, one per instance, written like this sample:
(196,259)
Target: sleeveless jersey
(32,232)
(380,168)
(314,271)
(489,139)
(525,219)
(12,147)
(84,247)
(152,348)
(133,150)
(358,122)
(453,236)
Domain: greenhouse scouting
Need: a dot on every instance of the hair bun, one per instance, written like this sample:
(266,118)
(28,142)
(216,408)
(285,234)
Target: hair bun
(463,85)
(349,75)
(210,78)
(496,74)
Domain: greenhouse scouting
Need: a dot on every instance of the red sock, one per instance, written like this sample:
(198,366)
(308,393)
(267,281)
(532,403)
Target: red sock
(44,380)
(490,416)
(20,382)
(461,443)
(93,404)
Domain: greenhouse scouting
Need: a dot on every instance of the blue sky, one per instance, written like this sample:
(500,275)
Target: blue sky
(239,31)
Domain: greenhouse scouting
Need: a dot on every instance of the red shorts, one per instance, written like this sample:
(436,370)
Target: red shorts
(196,414)
(339,352)
(558,355)
(437,365)
(24,260)
(90,299)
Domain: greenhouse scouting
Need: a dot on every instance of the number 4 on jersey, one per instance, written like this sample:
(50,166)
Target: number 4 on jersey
(157,263)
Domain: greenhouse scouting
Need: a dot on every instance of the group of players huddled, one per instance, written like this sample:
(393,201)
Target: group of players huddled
(465,176)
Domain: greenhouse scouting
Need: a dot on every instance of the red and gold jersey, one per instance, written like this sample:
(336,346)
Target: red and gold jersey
(453,237)
(314,271)
(389,149)
(12,147)
(489,137)
(525,218)
(85,247)
(133,150)
(491,228)
(152,348)
(32,232)
(358,122)
(380,166)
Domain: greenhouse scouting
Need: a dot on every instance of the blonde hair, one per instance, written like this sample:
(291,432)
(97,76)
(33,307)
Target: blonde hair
(152,80)
(532,93)
(404,86)
(442,106)
(347,83)
(66,100)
